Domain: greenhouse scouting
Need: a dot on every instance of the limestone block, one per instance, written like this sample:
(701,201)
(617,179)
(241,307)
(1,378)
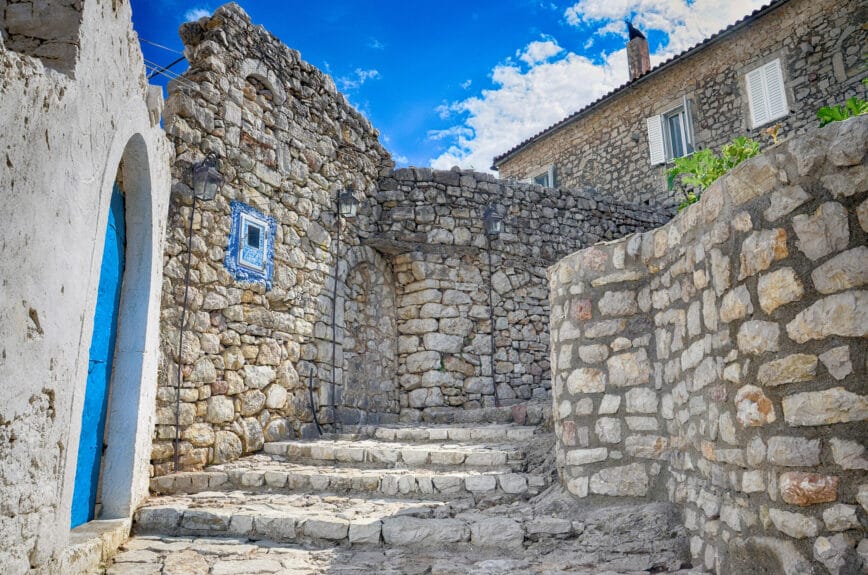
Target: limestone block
(844,314)
(862,215)
(275,396)
(199,434)
(585,456)
(578,486)
(837,555)
(823,232)
(803,489)
(795,525)
(609,404)
(794,451)
(848,454)
(837,361)
(417,326)
(629,369)
(480,483)
(604,328)
(846,270)
(404,530)
(841,517)
(757,336)
(252,402)
(548,526)
(778,288)
(203,371)
(422,361)
(618,303)
(258,376)
(836,405)
(784,201)
(512,483)
(221,409)
(364,532)
(753,408)
(641,400)
(186,562)
(443,343)
(735,304)
(586,380)
(624,481)
(608,430)
(331,528)
(497,532)
(760,249)
(593,353)
(790,369)
(646,446)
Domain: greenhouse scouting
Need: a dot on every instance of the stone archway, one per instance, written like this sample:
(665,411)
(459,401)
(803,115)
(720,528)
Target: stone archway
(370,346)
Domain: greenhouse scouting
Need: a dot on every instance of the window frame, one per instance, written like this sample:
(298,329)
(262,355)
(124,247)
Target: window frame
(659,133)
(548,173)
(771,68)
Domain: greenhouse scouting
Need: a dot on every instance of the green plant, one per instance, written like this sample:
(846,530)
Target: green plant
(696,172)
(854,106)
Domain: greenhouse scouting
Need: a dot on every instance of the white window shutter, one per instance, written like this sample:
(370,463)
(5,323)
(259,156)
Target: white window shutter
(777,97)
(656,148)
(759,113)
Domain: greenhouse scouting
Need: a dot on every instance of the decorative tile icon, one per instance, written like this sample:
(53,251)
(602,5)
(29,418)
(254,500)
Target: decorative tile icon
(250,255)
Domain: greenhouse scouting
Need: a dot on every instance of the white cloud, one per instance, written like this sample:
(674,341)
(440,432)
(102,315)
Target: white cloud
(376,44)
(194,14)
(358,78)
(466,83)
(555,82)
(539,51)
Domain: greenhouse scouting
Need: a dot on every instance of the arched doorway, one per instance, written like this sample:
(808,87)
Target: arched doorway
(100,362)
(114,442)
(370,354)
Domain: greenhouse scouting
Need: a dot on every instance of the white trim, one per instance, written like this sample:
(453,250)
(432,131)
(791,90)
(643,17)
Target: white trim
(766,93)
(656,146)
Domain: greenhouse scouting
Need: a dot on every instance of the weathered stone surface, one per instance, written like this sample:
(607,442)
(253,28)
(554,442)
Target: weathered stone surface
(586,380)
(846,270)
(836,405)
(844,314)
(199,434)
(604,328)
(585,456)
(790,369)
(185,563)
(784,201)
(841,517)
(837,361)
(646,446)
(364,532)
(753,408)
(618,303)
(227,447)
(608,430)
(220,409)
(756,337)
(794,451)
(837,555)
(641,400)
(622,481)
(499,532)
(778,288)
(735,304)
(862,214)
(423,532)
(848,454)
(803,489)
(760,249)
(823,232)
(628,369)
(795,525)
(593,353)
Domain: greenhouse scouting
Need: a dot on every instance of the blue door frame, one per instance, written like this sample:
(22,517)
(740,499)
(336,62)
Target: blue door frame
(99,366)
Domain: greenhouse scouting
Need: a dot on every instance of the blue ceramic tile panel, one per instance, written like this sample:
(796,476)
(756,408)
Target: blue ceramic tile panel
(250,255)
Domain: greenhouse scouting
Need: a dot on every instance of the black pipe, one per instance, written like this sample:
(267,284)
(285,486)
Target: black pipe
(491,321)
(334,319)
(181,339)
(312,404)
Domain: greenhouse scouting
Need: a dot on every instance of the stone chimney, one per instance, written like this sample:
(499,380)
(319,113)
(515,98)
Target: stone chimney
(638,59)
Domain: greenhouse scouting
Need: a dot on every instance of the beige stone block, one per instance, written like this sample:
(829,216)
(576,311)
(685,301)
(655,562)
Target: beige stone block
(760,249)
(844,314)
(790,369)
(823,232)
(846,270)
(836,405)
(778,288)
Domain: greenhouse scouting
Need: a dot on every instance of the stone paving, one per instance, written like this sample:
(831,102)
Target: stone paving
(394,499)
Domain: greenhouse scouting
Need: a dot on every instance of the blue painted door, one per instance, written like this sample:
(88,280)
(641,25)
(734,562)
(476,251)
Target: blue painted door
(99,367)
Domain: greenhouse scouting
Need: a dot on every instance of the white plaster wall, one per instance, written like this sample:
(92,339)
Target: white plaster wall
(61,141)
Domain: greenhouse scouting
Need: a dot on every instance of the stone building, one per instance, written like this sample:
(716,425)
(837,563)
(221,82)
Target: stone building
(409,337)
(775,66)
(719,362)
(85,165)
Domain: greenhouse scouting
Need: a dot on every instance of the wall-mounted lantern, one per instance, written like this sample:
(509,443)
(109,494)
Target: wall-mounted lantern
(207,181)
(348,204)
(492,221)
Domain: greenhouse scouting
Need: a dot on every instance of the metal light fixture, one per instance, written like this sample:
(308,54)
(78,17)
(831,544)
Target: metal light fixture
(348,204)
(493,223)
(207,181)
(348,207)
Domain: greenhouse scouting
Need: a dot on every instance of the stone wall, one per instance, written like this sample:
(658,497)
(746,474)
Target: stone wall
(820,44)
(431,224)
(288,142)
(45,30)
(63,151)
(719,362)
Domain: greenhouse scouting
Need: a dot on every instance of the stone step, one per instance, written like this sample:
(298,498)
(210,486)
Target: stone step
(269,473)
(337,520)
(503,433)
(401,454)
(524,413)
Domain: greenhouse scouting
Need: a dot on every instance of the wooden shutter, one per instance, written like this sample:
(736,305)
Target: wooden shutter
(656,148)
(759,113)
(774,84)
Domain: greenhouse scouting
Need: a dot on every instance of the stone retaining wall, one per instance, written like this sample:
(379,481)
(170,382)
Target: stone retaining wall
(719,362)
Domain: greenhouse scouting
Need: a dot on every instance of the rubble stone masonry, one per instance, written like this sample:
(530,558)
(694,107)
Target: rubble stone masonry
(719,362)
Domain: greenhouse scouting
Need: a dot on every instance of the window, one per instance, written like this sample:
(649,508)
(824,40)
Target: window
(249,256)
(546,178)
(670,135)
(766,96)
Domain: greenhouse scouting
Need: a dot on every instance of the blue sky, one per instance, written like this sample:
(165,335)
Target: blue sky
(458,82)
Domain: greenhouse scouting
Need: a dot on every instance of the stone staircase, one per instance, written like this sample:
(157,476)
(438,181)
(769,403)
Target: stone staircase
(477,492)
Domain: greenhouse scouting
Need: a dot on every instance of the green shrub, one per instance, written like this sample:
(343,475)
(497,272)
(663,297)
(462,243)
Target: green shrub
(696,172)
(852,107)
